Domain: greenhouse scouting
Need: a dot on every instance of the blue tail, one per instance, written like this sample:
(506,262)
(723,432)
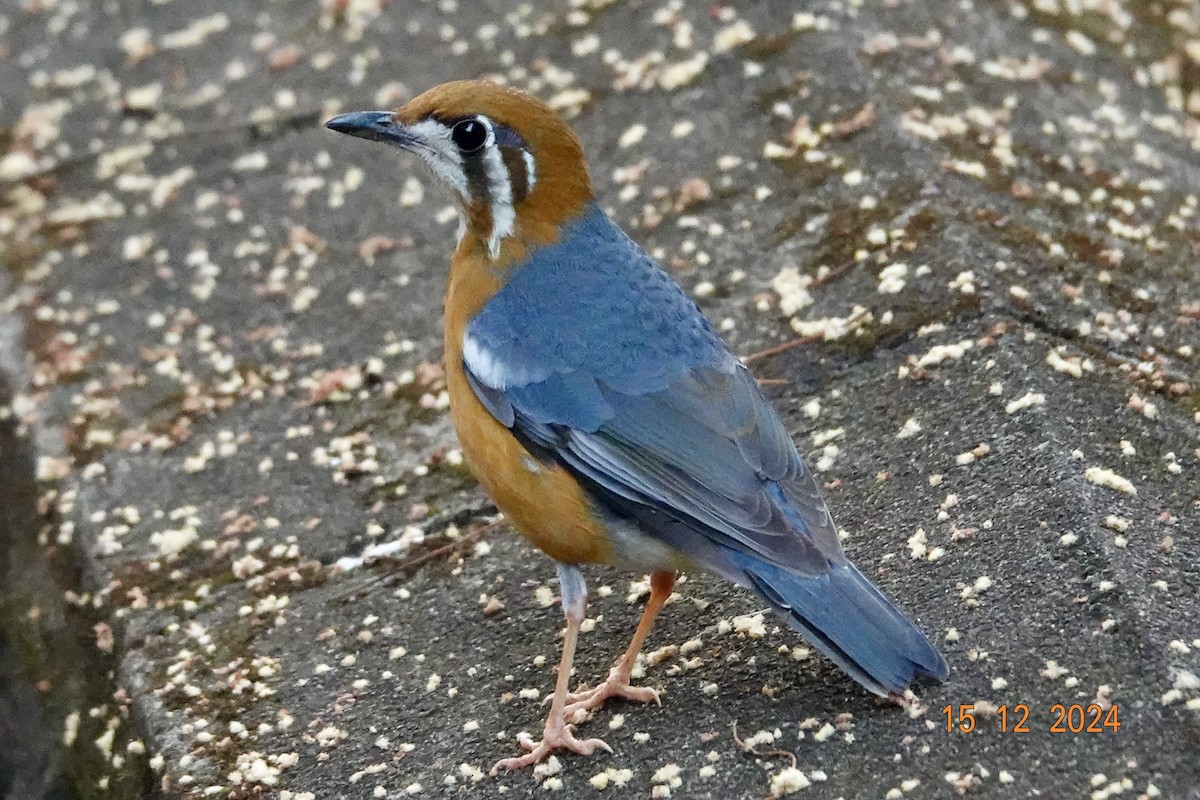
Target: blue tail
(845,617)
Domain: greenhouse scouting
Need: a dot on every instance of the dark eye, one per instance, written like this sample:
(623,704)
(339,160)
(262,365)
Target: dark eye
(469,135)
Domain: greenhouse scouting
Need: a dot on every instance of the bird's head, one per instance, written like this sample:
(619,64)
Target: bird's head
(515,168)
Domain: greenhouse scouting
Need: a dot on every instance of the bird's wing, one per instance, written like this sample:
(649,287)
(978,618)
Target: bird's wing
(596,359)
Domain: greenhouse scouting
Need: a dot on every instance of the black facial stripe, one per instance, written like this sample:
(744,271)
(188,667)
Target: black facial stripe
(477,177)
(518,178)
(512,150)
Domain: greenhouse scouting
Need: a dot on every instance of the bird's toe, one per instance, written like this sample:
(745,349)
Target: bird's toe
(556,736)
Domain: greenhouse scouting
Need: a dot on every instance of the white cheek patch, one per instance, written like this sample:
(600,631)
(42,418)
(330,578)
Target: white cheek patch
(441,155)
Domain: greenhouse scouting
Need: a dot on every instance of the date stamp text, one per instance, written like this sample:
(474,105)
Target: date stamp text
(1063,718)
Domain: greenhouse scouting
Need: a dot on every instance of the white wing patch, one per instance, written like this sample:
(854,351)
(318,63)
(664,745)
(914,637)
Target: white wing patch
(482,364)
(490,371)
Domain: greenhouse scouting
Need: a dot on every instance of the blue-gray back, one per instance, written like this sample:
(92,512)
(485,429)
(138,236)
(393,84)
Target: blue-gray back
(596,358)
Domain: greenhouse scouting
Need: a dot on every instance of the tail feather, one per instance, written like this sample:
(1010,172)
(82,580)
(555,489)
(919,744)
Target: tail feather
(844,616)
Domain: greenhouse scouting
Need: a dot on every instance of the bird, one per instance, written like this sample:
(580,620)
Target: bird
(606,417)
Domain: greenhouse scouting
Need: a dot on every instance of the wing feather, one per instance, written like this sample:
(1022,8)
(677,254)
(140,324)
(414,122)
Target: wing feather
(637,395)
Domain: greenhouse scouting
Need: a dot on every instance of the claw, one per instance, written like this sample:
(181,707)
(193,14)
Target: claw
(554,737)
(565,706)
(615,686)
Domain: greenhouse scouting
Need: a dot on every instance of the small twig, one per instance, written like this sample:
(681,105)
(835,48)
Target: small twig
(836,272)
(780,348)
(407,567)
(745,748)
(466,538)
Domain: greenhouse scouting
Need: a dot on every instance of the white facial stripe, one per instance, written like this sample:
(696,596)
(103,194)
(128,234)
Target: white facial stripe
(442,154)
(504,216)
(503,219)
(530,172)
(499,190)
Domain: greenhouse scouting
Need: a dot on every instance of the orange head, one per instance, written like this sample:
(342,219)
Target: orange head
(515,168)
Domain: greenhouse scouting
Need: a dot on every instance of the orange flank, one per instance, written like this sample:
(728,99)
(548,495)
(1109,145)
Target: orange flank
(541,500)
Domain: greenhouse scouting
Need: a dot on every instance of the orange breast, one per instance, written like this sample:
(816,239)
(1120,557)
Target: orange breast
(543,501)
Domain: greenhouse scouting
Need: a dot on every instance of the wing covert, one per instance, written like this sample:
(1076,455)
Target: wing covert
(639,397)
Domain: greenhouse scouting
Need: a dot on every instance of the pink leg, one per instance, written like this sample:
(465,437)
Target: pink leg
(617,683)
(557,733)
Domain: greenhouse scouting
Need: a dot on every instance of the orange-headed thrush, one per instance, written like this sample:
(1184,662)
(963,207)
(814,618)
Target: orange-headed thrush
(606,417)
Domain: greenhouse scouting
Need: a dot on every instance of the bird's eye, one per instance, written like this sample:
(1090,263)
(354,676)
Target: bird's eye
(469,135)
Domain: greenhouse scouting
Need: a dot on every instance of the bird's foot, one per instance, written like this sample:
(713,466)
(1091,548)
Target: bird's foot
(616,685)
(556,736)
